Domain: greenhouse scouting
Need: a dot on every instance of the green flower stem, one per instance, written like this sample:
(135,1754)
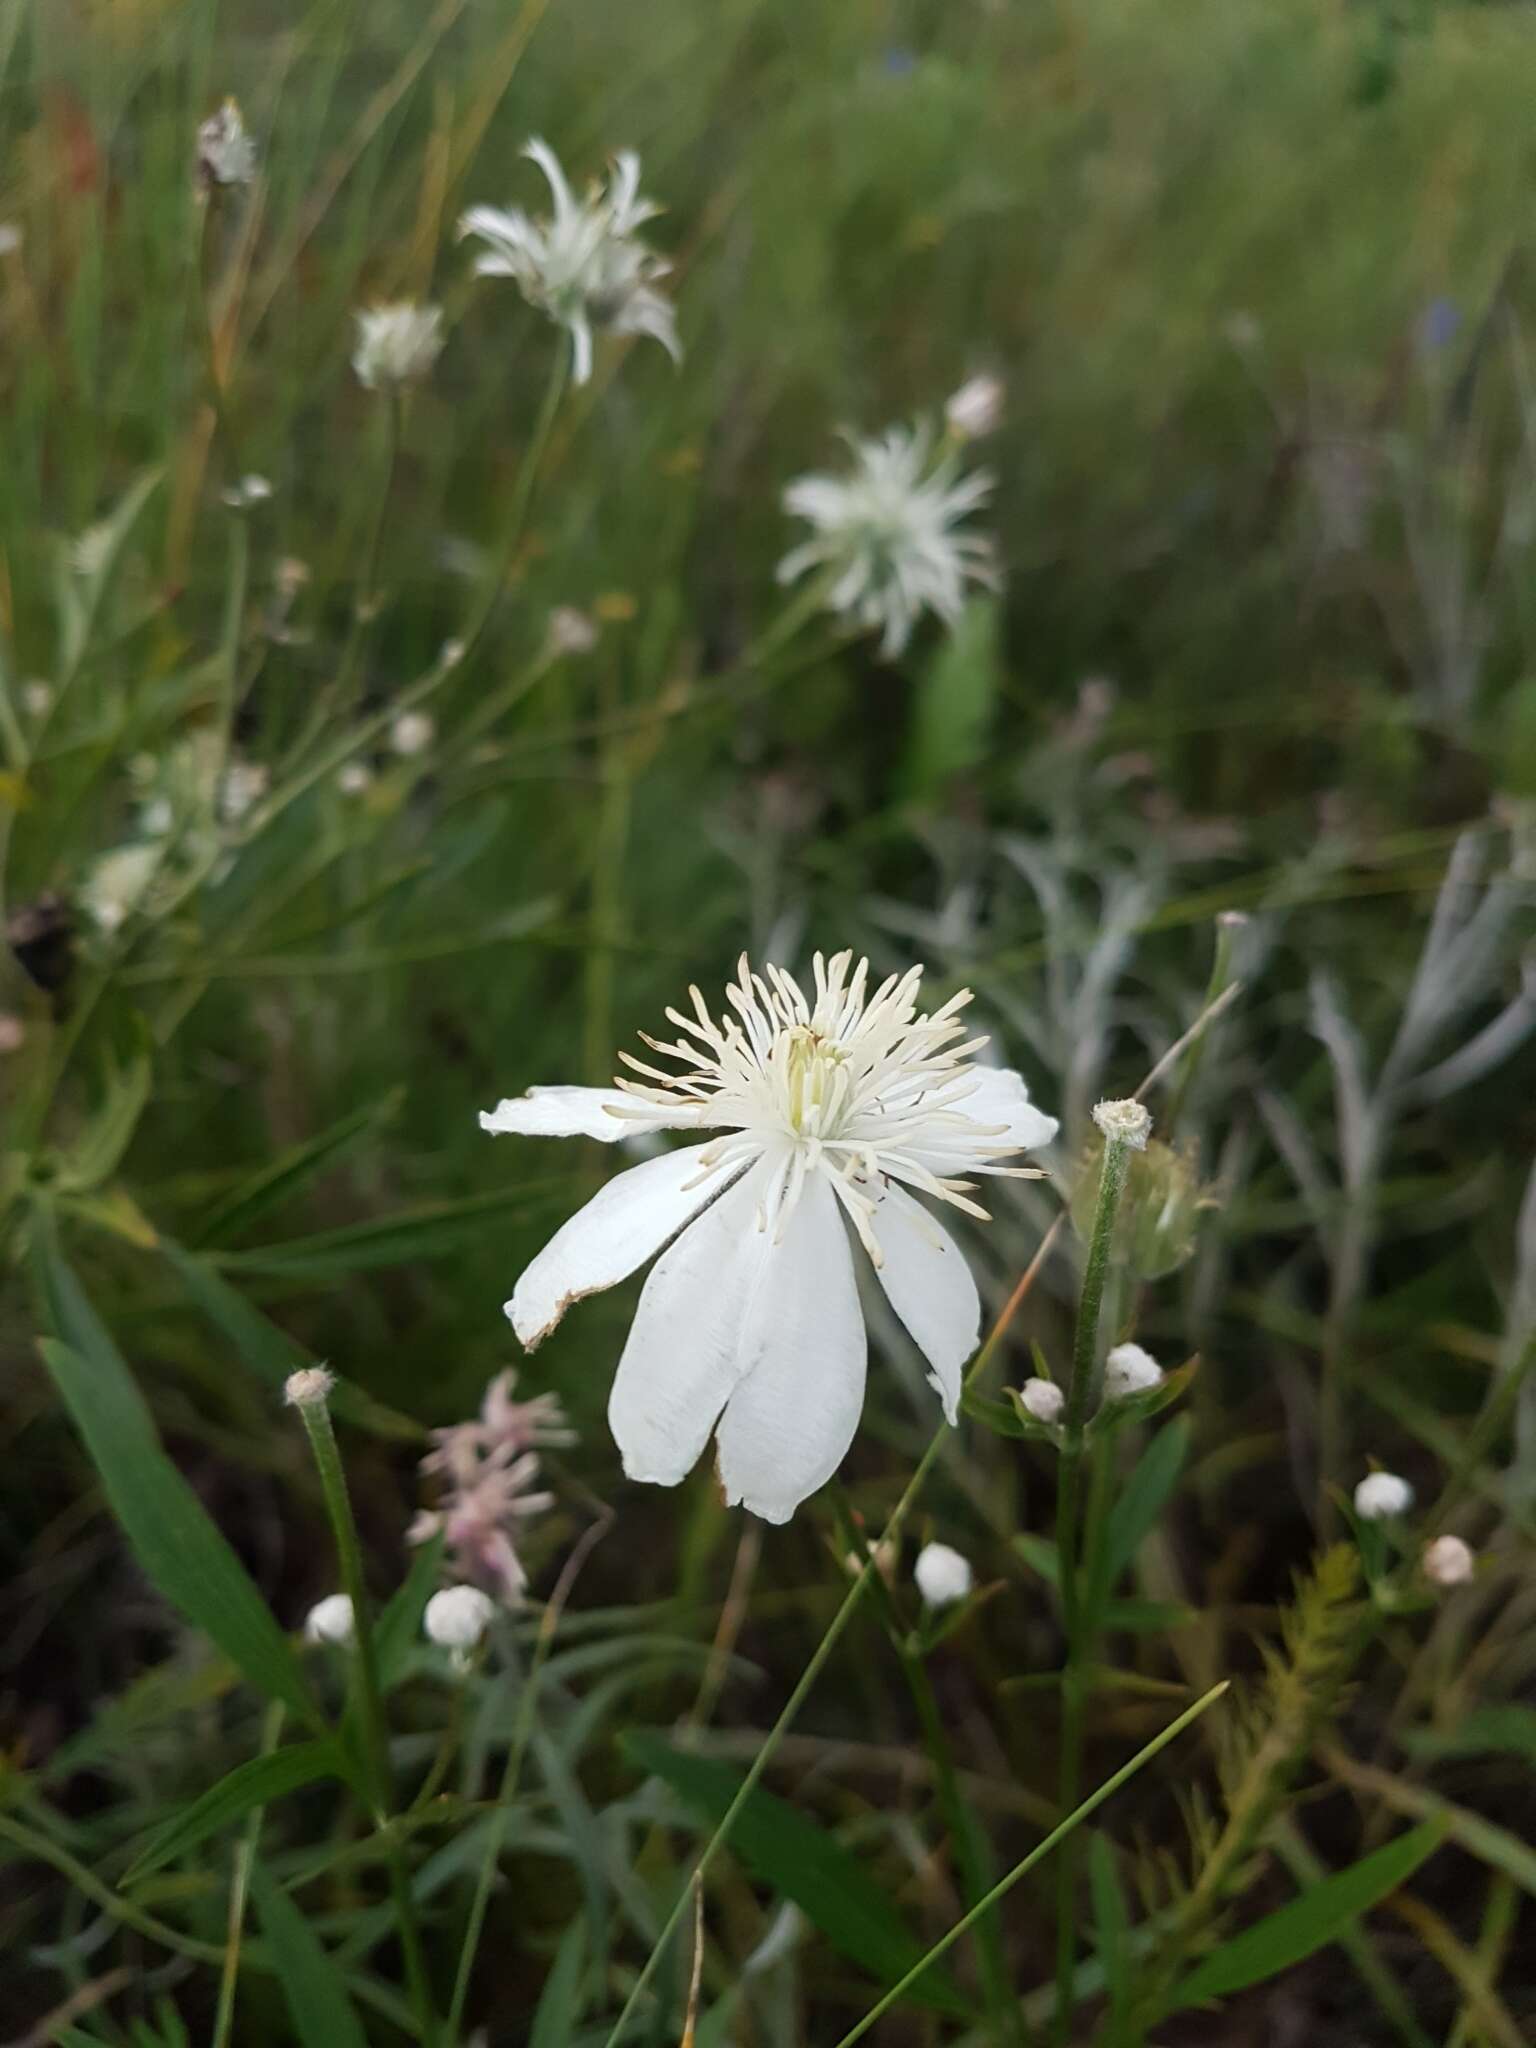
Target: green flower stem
(333,1484)
(1083,1394)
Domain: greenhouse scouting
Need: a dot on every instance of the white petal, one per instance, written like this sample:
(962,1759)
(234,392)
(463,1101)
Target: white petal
(929,1284)
(683,1355)
(606,1113)
(792,1417)
(622,1226)
(1001,1097)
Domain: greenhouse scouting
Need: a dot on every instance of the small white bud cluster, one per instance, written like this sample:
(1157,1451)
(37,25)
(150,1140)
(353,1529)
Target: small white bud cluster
(1381,1496)
(396,345)
(456,1619)
(1448,1562)
(331,1620)
(303,1389)
(975,408)
(943,1576)
(412,733)
(1126,1123)
(1044,1400)
(1130,1370)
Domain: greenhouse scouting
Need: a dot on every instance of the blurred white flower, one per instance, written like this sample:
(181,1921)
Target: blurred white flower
(13,1032)
(456,1619)
(571,631)
(412,733)
(1448,1561)
(585,266)
(1382,1495)
(823,1109)
(250,490)
(354,779)
(1129,1122)
(451,653)
(242,786)
(1043,1399)
(396,345)
(309,1385)
(10,238)
(886,534)
(943,1576)
(37,698)
(117,884)
(1129,1370)
(975,408)
(226,155)
(88,551)
(331,1620)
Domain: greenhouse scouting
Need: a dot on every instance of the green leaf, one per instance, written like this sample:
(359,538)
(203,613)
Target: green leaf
(292,1171)
(997,1416)
(1490,1731)
(1111,1931)
(398,1627)
(1142,1500)
(125,1083)
(254,1783)
(803,1862)
(431,1232)
(323,2016)
(179,1548)
(1309,1923)
(954,702)
(554,2024)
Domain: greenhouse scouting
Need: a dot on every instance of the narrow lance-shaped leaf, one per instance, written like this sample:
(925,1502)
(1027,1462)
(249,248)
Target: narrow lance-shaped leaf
(255,1783)
(323,2015)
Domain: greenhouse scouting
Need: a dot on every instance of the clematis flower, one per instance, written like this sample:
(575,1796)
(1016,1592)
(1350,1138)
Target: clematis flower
(585,266)
(826,1113)
(886,534)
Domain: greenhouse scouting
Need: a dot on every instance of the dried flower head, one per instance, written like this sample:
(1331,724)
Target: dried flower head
(1381,1496)
(396,345)
(331,1620)
(943,1576)
(1126,1123)
(886,534)
(585,265)
(821,1108)
(226,154)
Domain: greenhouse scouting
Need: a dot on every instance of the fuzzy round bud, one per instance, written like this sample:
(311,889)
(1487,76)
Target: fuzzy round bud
(355,779)
(975,408)
(1448,1561)
(331,1620)
(1130,1370)
(412,733)
(303,1389)
(1381,1495)
(571,631)
(943,1576)
(13,1033)
(1043,1399)
(458,1617)
(1125,1123)
(396,345)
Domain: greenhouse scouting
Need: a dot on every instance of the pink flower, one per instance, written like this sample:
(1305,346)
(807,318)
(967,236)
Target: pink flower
(490,1468)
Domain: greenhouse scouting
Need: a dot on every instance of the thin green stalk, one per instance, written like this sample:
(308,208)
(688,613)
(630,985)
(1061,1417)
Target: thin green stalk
(1060,1833)
(522,503)
(100,1893)
(1083,1393)
(316,1417)
(245,1856)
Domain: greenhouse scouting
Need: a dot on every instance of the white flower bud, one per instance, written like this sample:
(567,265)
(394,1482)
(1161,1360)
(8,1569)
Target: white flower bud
(1448,1561)
(37,698)
(306,1387)
(571,631)
(1381,1495)
(1129,1370)
(250,490)
(331,1620)
(451,653)
(457,1618)
(412,733)
(975,408)
(943,1576)
(1126,1123)
(226,155)
(13,1033)
(1043,1399)
(396,345)
(355,779)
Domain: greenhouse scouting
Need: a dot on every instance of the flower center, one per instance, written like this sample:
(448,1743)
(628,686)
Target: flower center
(815,1081)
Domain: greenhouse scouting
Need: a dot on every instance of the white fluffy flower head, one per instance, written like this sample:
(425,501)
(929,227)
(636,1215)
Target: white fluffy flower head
(1130,1370)
(226,155)
(585,265)
(887,534)
(824,1108)
(975,408)
(331,1620)
(457,1618)
(412,733)
(1128,1123)
(396,345)
(943,1576)
(1382,1495)
(1448,1562)
(1043,1399)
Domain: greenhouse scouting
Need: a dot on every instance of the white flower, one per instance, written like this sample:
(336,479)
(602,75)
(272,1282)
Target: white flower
(585,266)
(571,631)
(242,786)
(13,1032)
(10,239)
(89,551)
(310,1384)
(355,779)
(1382,1495)
(37,698)
(1448,1561)
(886,534)
(1129,1122)
(457,1618)
(1043,1399)
(451,653)
(943,1576)
(396,344)
(250,490)
(117,884)
(226,155)
(331,1620)
(1129,1370)
(822,1110)
(412,733)
(975,408)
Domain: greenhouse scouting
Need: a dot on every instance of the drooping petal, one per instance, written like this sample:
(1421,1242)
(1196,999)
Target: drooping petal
(1001,1097)
(792,1416)
(683,1355)
(930,1286)
(605,1113)
(624,1224)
